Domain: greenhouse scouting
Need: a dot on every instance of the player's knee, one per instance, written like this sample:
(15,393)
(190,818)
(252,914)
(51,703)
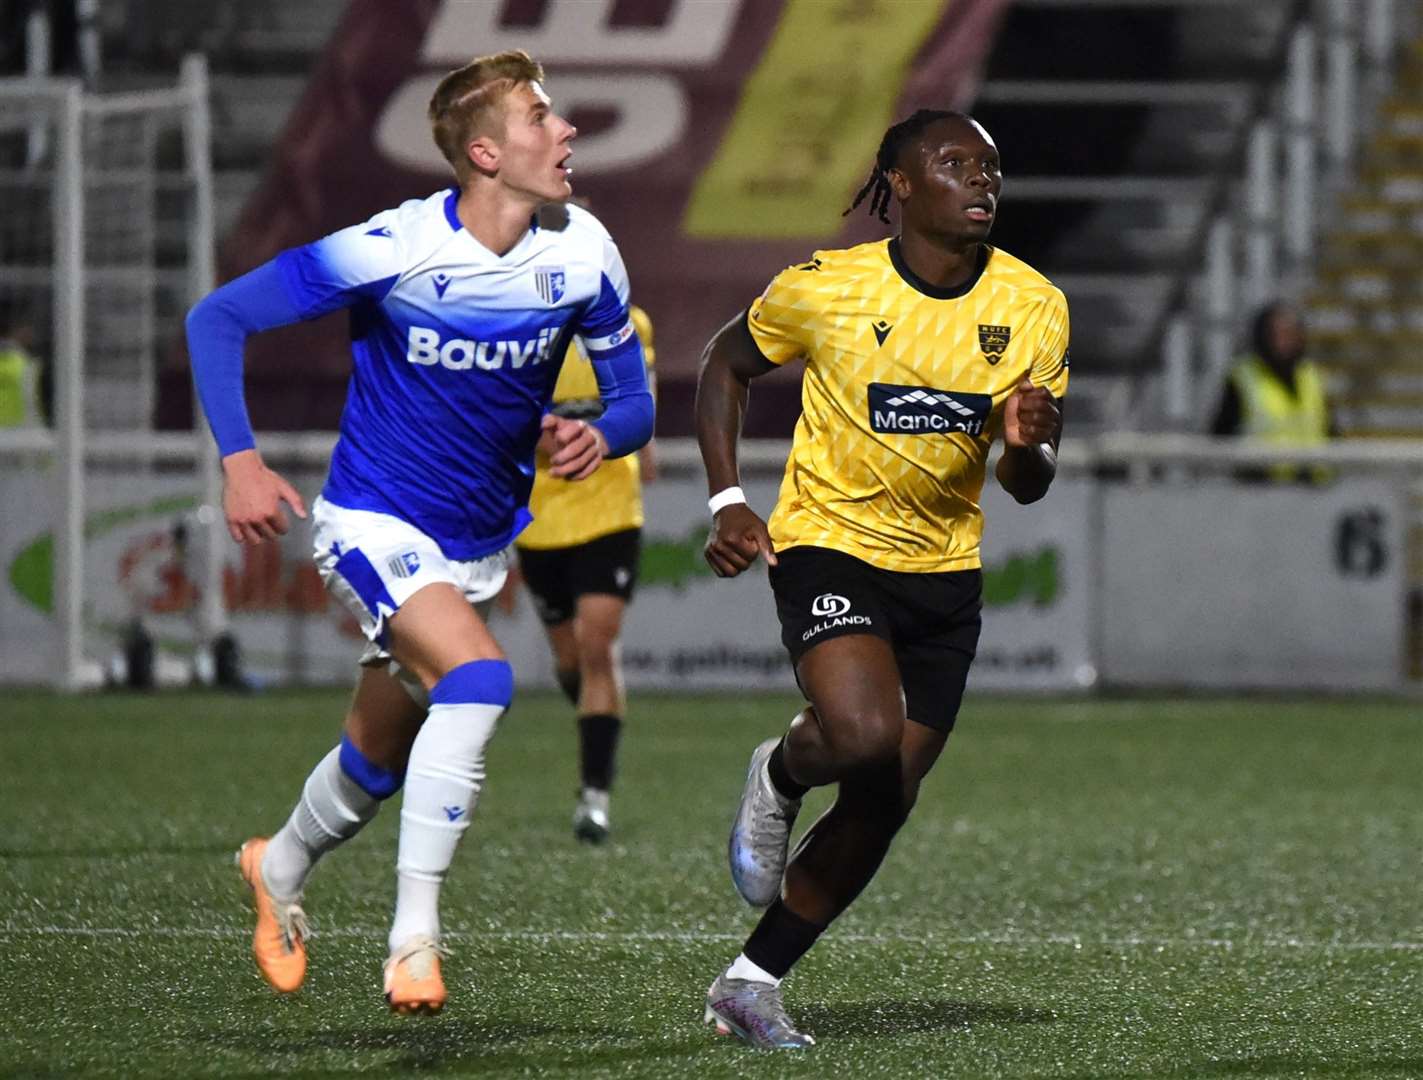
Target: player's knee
(597,650)
(465,706)
(478,682)
(377,780)
(867,740)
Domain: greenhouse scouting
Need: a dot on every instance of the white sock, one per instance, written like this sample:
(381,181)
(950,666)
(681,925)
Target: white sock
(742,968)
(442,785)
(331,810)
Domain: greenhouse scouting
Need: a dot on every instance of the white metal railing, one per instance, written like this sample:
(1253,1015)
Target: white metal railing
(60,109)
(54,111)
(1085,92)
(1298,153)
(313,448)
(1105,188)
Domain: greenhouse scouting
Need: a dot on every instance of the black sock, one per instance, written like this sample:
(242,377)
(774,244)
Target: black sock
(597,745)
(780,779)
(780,939)
(570,682)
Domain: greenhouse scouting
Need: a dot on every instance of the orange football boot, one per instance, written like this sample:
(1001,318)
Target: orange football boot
(412,977)
(279,942)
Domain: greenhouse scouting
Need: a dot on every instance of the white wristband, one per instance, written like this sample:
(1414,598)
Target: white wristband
(725,497)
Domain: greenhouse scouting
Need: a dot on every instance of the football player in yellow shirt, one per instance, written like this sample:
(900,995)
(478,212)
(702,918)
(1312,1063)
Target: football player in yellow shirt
(579,559)
(919,352)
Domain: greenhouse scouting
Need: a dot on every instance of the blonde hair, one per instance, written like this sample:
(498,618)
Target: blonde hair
(468,96)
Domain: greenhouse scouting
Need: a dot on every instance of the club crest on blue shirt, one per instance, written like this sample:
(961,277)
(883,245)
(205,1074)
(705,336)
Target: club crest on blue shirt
(550,282)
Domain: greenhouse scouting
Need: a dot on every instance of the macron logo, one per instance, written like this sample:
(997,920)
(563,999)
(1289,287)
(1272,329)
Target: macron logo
(424,346)
(454,813)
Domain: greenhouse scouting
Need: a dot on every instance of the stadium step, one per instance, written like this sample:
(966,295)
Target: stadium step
(1366,316)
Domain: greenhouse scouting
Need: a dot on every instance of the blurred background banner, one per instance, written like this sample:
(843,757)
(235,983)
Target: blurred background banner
(1291,588)
(1039,579)
(716,147)
(1177,585)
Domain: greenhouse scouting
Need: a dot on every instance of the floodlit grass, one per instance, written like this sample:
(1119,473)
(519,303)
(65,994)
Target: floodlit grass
(1118,888)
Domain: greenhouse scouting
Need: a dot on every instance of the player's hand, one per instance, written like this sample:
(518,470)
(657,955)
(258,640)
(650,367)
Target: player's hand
(1031,416)
(546,444)
(252,499)
(579,447)
(737,536)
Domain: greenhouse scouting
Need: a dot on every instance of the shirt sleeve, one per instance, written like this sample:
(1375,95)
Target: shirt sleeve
(1050,359)
(777,318)
(608,334)
(604,324)
(360,263)
(218,328)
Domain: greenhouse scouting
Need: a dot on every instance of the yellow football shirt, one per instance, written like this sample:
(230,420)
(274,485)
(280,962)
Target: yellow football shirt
(570,512)
(903,394)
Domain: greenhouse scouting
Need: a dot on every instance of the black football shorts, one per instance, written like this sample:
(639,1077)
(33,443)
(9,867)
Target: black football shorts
(931,621)
(557,577)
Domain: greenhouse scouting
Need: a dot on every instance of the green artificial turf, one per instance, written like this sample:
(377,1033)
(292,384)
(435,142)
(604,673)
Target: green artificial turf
(1097,888)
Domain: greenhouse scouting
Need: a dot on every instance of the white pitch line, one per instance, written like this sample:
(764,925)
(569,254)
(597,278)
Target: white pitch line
(702,936)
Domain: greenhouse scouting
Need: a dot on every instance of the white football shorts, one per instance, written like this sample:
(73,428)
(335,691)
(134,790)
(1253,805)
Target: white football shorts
(372,563)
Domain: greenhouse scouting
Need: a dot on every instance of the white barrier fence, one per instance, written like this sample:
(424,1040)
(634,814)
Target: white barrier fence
(1149,564)
(108,240)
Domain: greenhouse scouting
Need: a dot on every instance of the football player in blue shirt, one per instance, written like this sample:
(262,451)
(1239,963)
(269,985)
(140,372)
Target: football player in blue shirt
(462,307)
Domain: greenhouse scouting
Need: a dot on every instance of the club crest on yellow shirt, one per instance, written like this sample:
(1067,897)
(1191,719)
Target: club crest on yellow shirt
(993,340)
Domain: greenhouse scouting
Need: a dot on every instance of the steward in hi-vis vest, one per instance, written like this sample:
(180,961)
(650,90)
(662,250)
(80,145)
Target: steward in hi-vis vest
(1275,395)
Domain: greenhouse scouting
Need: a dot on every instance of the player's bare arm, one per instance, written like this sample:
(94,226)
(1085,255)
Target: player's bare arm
(1032,431)
(252,498)
(730,362)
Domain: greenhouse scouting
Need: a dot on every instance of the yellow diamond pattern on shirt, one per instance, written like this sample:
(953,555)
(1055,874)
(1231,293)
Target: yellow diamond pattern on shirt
(901,497)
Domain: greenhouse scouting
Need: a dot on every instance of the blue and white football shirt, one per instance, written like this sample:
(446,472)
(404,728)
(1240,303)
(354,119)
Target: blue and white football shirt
(456,351)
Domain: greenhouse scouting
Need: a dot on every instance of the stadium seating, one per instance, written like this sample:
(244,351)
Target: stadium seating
(1366,313)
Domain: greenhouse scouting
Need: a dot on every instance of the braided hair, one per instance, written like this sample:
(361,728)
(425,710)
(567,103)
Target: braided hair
(896,137)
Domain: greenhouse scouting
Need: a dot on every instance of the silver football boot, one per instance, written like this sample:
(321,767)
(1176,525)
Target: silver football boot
(761,833)
(590,816)
(753,1012)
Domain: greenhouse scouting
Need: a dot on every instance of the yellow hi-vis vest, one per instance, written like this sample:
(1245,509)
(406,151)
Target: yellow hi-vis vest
(1272,412)
(16,388)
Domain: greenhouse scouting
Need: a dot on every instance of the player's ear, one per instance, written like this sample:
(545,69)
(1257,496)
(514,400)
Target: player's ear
(483,154)
(898,183)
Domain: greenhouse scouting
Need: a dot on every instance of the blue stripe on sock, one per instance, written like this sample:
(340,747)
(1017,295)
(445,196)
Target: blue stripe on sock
(375,781)
(479,682)
(362,576)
